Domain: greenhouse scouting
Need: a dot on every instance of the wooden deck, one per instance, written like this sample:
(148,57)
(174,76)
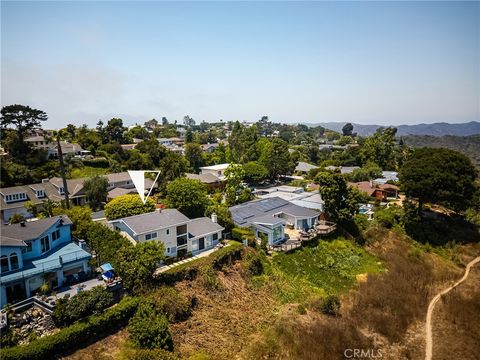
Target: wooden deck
(296,237)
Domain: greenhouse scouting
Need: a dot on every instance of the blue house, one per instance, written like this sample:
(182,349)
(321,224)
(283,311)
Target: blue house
(37,252)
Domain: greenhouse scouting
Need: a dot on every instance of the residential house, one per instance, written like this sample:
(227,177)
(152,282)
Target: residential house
(370,189)
(268,217)
(295,195)
(304,167)
(13,199)
(178,233)
(212,181)
(36,252)
(217,170)
(39,142)
(209,148)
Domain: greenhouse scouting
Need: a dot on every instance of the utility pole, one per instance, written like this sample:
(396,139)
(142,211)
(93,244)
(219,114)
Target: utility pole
(62,172)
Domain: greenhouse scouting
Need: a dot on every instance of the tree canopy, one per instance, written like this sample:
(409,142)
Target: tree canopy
(439,176)
(340,200)
(96,190)
(128,205)
(188,196)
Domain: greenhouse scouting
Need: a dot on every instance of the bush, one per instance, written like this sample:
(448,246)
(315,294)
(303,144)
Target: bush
(252,263)
(242,233)
(149,328)
(172,303)
(389,217)
(331,305)
(74,336)
(81,305)
(128,205)
(98,163)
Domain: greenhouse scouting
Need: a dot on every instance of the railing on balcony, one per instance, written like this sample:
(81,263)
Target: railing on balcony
(44,267)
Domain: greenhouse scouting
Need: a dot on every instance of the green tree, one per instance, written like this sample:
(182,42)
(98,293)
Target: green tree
(380,148)
(96,190)
(148,328)
(340,200)
(233,183)
(440,176)
(194,155)
(367,172)
(22,118)
(347,129)
(16,218)
(275,157)
(188,196)
(254,173)
(153,150)
(137,264)
(128,205)
(81,217)
(172,166)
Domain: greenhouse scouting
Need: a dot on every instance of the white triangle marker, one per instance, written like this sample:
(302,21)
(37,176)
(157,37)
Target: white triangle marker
(138,178)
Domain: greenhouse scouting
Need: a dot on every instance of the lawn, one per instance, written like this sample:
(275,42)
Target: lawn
(87,171)
(330,266)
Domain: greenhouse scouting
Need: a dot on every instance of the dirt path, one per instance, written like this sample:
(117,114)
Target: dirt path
(431,306)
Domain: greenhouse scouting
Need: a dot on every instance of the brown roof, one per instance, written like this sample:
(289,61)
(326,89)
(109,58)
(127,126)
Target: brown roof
(389,187)
(365,187)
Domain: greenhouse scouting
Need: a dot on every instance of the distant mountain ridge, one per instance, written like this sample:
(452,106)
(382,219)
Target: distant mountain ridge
(435,129)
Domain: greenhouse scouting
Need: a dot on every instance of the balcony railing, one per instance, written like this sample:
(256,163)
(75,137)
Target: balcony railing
(44,267)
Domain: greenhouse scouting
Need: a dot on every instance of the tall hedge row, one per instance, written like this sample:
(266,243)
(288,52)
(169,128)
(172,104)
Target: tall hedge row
(76,335)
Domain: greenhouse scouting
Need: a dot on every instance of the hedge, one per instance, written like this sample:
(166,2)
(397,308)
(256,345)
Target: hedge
(76,335)
(98,163)
(189,270)
(242,233)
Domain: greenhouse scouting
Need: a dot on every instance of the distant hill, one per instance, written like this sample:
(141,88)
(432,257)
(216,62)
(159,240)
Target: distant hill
(436,129)
(469,145)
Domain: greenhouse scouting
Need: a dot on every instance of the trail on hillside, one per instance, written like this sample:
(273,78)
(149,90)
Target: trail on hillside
(431,306)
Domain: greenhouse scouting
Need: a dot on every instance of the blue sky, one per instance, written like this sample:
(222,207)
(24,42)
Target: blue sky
(366,62)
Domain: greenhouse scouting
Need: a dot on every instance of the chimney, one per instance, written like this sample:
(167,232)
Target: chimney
(371,183)
(214,217)
(45,181)
(23,223)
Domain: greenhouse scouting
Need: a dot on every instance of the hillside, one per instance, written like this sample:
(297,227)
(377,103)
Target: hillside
(435,129)
(469,145)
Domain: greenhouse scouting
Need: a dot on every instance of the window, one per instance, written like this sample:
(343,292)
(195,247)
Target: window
(40,194)
(168,250)
(5,266)
(167,231)
(56,235)
(195,245)
(28,248)
(215,236)
(182,229)
(14,261)
(45,244)
(61,190)
(151,236)
(181,240)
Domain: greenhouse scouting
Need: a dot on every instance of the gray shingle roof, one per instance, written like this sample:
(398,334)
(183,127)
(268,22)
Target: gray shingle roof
(305,167)
(154,220)
(202,226)
(247,213)
(31,230)
(207,178)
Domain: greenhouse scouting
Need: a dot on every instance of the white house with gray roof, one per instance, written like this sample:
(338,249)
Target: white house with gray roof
(268,217)
(179,234)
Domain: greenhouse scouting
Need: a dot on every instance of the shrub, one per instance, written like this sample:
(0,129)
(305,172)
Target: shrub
(172,303)
(331,305)
(149,328)
(98,163)
(209,279)
(389,217)
(252,263)
(242,233)
(128,205)
(74,336)
(83,304)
